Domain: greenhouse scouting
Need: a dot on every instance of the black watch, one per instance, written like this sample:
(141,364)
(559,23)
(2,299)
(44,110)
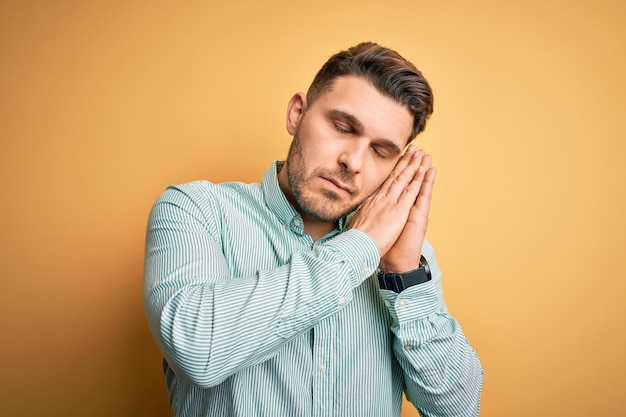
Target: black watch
(399,282)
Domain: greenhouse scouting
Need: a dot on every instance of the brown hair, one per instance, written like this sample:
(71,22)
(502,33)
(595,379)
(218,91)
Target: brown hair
(389,73)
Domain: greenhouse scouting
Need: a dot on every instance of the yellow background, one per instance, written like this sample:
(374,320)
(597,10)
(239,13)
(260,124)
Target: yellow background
(104,104)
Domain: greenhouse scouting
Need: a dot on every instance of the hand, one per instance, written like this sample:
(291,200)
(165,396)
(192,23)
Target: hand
(404,255)
(384,215)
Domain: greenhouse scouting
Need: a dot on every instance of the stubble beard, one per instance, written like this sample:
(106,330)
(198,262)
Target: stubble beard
(327,207)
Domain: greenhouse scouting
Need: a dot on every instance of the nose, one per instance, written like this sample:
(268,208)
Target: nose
(352,157)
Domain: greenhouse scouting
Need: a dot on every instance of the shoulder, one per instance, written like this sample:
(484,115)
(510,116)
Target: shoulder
(206,196)
(206,205)
(202,190)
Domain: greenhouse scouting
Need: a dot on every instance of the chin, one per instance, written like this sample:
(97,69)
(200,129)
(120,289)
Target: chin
(323,216)
(324,213)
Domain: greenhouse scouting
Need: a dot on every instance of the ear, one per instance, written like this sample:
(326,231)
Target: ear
(295,110)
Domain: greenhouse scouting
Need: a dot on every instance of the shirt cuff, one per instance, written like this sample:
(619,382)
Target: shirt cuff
(414,303)
(359,251)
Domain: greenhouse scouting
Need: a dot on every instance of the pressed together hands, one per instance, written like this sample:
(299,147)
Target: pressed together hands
(396,215)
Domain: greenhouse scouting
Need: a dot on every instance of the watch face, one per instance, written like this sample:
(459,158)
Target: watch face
(424,264)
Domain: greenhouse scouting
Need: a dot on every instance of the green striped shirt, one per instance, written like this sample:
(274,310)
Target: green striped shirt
(254,318)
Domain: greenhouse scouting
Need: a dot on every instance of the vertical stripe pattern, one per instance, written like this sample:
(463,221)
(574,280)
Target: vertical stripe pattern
(255,319)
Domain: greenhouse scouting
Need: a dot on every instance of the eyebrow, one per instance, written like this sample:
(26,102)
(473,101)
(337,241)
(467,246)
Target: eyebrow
(338,114)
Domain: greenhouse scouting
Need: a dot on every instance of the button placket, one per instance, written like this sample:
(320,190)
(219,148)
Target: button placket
(324,339)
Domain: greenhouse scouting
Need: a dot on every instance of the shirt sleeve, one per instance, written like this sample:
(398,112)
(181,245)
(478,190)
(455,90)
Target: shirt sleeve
(443,374)
(209,324)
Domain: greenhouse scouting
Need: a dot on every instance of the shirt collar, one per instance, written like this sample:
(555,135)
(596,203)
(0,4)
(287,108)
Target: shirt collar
(278,203)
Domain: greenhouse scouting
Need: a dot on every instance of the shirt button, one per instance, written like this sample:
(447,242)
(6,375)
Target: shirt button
(366,270)
(342,301)
(297,222)
(401,303)
(321,367)
(284,225)
(388,303)
(408,347)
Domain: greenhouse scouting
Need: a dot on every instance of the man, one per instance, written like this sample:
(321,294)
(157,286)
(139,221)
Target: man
(314,293)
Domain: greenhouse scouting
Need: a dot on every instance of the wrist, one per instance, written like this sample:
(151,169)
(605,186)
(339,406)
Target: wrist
(399,281)
(399,267)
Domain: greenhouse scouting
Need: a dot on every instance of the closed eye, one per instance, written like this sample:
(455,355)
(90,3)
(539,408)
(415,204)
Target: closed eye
(341,128)
(381,152)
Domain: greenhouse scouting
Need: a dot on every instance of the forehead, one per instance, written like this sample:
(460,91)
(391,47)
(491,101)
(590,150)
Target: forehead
(379,115)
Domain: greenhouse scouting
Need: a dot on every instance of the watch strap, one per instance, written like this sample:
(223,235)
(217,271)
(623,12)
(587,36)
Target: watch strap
(399,282)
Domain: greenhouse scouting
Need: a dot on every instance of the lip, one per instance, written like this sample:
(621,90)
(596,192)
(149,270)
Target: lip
(339,185)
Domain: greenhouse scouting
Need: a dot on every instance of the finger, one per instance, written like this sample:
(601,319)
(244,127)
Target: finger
(402,183)
(411,191)
(426,189)
(401,165)
(425,164)
(422,203)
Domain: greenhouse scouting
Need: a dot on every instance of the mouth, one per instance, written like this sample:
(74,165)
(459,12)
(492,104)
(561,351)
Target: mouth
(339,185)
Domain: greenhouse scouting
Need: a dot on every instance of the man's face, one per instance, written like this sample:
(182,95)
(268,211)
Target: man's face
(345,145)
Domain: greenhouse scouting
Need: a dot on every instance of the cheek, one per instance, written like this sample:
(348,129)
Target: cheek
(379,172)
(374,180)
(308,140)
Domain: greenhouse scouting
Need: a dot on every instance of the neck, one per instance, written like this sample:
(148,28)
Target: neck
(314,227)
